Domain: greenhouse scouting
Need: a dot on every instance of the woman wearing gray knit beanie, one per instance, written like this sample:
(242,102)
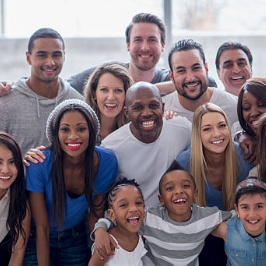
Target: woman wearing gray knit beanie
(72,178)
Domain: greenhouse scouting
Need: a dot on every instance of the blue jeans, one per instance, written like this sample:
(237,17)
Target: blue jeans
(67,248)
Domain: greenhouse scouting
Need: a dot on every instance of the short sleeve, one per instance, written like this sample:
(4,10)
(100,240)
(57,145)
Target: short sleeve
(37,175)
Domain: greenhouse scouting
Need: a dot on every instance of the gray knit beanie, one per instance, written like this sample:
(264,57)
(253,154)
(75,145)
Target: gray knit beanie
(50,124)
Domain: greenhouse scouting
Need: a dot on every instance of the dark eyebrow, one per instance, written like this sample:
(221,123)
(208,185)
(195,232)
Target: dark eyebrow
(41,52)
(228,61)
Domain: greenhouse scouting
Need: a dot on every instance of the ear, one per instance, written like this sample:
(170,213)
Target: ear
(163,45)
(171,76)
(128,46)
(111,214)
(161,199)
(28,57)
(218,72)
(207,69)
(126,112)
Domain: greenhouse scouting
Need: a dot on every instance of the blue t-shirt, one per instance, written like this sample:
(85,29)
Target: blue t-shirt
(39,180)
(213,196)
(242,249)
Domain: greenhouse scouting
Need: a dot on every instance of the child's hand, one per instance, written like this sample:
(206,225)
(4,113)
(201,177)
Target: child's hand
(104,244)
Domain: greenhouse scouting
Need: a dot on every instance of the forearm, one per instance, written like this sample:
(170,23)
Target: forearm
(43,246)
(101,223)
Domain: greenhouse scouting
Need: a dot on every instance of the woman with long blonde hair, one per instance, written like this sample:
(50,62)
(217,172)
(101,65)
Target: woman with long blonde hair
(217,164)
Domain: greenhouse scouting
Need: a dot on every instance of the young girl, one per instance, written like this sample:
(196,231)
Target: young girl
(244,235)
(68,182)
(217,163)
(14,214)
(126,210)
(105,93)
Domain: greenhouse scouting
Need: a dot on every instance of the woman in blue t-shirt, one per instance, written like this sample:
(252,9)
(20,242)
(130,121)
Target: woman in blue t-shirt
(217,163)
(71,179)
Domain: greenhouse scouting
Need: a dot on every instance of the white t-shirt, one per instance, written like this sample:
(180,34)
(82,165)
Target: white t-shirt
(146,163)
(225,100)
(4,208)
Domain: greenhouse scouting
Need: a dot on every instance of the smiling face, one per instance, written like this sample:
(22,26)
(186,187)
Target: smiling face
(215,133)
(251,209)
(234,70)
(189,74)
(177,193)
(127,209)
(252,109)
(145,45)
(110,95)
(145,110)
(73,134)
(46,59)
(8,169)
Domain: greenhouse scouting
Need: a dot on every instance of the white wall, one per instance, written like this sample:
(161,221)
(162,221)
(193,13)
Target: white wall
(82,53)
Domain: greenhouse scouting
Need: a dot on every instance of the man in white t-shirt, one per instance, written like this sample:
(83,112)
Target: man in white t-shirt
(146,147)
(189,74)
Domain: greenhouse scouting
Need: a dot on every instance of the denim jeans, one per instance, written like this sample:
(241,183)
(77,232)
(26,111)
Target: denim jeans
(67,248)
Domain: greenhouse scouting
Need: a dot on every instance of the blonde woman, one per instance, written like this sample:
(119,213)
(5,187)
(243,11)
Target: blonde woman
(217,164)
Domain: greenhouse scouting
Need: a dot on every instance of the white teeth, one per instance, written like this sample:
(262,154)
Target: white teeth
(192,85)
(237,78)
(133,218)
(110,104)
(180,200)
(5,177)
(253,222)
(148,124)
(145,56)
(217,141)
(73,145)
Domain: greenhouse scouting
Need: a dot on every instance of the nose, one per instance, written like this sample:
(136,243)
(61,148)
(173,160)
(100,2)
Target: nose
(146,112)
(4,168)
(254,111)
(73,135)
(216,132)
(110,95)
(190,76)
(236,68)
(50,61)
(144,45)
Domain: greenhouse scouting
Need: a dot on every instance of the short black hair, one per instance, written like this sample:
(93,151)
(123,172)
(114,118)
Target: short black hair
(232,46)
(44,33)
(115,186)
(173,167)
(146,18)
(185,45)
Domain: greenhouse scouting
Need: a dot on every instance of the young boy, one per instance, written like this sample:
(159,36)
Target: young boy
(176,230)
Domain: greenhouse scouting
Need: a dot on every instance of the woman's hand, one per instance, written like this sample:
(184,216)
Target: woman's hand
(34,156)
(169,114)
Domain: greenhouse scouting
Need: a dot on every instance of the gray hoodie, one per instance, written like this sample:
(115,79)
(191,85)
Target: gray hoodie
(23,113)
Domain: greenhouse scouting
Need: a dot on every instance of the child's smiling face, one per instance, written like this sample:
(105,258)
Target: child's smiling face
(251,209)
(127,209)
(177,193)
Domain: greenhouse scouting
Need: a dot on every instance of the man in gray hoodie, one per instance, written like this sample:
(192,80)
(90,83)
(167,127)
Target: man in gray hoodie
(24,111)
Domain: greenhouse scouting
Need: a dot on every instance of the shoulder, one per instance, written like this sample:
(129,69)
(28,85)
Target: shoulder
(116,138)
(161,75)
(178,122)
(170,96)
(105,154)
(229,96)
(184,159)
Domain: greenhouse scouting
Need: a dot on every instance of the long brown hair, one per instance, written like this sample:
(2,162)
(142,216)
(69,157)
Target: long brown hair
(118,70)
(18,199)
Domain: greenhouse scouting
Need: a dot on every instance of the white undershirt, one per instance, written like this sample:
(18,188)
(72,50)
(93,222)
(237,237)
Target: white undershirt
(4,208)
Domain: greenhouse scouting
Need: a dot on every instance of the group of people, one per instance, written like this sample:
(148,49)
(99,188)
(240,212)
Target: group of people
(99,141)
